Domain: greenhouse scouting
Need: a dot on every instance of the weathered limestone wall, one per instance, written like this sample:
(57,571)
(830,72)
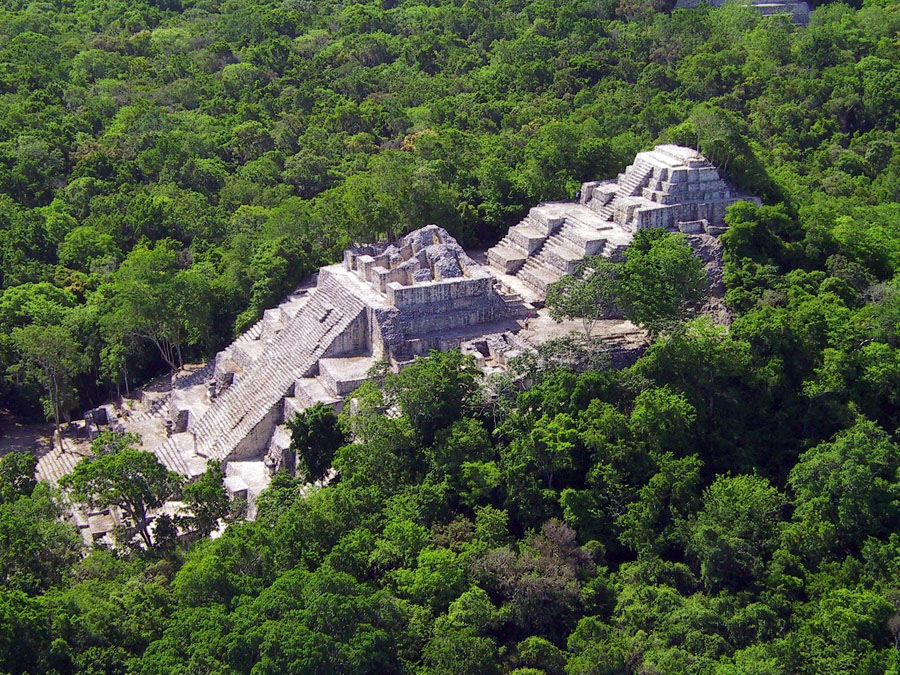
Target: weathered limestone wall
(669,216)
(438,291)
(354,340)
(423,322)
(254,442)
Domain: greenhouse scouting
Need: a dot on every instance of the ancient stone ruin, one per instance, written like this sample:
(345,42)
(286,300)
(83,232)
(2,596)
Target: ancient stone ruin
(670,186)
(385,302)
(391,302)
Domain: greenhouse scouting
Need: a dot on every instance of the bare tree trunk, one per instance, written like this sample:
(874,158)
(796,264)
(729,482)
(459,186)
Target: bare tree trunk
(139,516)
(145,534)
(54,401)
(165,350)
(588,327)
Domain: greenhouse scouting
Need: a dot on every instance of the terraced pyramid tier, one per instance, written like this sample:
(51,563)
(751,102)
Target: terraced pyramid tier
(670,186)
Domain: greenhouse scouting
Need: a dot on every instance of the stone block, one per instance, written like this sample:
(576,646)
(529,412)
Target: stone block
(99,416)
(506,259)
(236,487)
(180,418)
(343,376)
(692,226)
(527,238)
(422,276)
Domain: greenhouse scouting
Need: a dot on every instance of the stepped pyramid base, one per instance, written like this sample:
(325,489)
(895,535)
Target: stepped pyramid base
(393,302)
(672,187)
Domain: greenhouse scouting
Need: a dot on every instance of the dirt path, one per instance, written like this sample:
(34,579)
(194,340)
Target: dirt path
(16,436)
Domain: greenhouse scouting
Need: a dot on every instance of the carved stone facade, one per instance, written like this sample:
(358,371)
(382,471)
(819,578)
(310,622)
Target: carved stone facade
(432,291)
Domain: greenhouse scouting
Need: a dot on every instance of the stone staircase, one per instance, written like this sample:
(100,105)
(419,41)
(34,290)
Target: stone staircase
(550,242)
(607,210)
(630,184)
(522,240)
(54,464)
(561,253)
(514,302)
(199,376)
(251,334)
(613,251)
(292,354)
(538,275)
(156,410)
(634,179)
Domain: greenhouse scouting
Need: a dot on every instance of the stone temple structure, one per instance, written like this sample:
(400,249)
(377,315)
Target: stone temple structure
(385,302)
(797,10)
(672,187)
(390,302)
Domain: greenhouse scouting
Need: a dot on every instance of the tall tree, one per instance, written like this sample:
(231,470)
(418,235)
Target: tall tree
(316,435)
(121,475)
(433,392)
(207,499)
(661,279)
(52,357)
(589,294)
(155,296)
(17,475)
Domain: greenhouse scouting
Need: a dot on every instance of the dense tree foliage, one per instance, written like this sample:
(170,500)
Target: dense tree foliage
(656,287)
(315,438)
(729,504)
(118,474)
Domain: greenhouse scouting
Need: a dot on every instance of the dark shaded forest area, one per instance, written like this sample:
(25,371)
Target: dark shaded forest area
(728,505)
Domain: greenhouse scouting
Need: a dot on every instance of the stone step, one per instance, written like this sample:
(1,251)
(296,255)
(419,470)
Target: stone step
(634,178)
(526,237)
(581,237)
(606,211)
(542,220)
(561,240)
(558,256)
(506,259)
(614,251)
(292,352)
(251,334)
(537,276)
